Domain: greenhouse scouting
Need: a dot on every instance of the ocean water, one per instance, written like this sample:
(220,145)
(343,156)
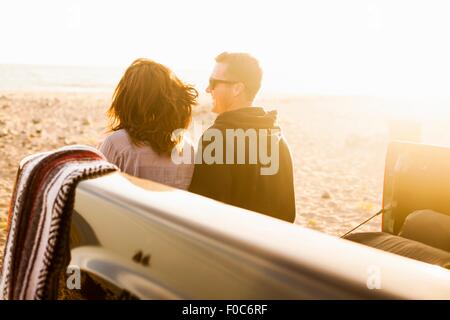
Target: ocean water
(75,78)
(15,77)
(58,78)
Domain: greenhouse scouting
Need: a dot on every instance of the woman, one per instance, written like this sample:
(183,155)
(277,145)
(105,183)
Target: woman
(149,104)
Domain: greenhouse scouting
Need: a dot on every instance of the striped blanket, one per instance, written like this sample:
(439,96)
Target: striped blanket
(37,247)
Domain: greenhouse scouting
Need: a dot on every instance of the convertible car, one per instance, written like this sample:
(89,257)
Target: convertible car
(136,239)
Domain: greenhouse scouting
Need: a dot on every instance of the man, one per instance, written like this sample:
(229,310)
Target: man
(243,159)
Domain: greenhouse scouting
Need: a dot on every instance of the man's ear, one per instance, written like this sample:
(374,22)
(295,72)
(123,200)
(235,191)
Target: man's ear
(238,89)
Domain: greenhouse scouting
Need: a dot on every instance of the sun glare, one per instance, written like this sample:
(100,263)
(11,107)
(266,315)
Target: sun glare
(390,48)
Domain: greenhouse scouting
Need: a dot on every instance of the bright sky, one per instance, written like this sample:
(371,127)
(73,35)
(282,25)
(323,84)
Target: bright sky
(390,47)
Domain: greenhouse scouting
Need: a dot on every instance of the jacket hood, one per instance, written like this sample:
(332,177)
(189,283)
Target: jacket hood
(251,117)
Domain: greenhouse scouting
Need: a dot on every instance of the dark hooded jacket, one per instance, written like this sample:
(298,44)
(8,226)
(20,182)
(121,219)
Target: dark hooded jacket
(243,185)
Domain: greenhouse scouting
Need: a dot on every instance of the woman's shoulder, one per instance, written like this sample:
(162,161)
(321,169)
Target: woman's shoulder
(120,138)
(120,135)
(119,141)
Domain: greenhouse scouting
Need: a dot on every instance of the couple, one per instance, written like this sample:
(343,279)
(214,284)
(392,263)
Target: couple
(150,103)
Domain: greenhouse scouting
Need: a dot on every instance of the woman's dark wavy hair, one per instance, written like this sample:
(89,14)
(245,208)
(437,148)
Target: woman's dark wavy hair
(150,102)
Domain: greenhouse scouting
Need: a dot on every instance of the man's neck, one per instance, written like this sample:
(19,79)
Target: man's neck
(240,105)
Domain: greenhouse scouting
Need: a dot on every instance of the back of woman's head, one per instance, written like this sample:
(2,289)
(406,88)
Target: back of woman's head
(150,103)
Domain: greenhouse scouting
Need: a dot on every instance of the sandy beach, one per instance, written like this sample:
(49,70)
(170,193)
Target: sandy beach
(338,145)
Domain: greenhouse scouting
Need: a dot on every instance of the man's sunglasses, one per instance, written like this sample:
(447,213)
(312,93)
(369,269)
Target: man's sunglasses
(213,82)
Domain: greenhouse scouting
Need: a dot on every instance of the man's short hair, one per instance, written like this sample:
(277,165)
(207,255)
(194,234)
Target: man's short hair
(244,68)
